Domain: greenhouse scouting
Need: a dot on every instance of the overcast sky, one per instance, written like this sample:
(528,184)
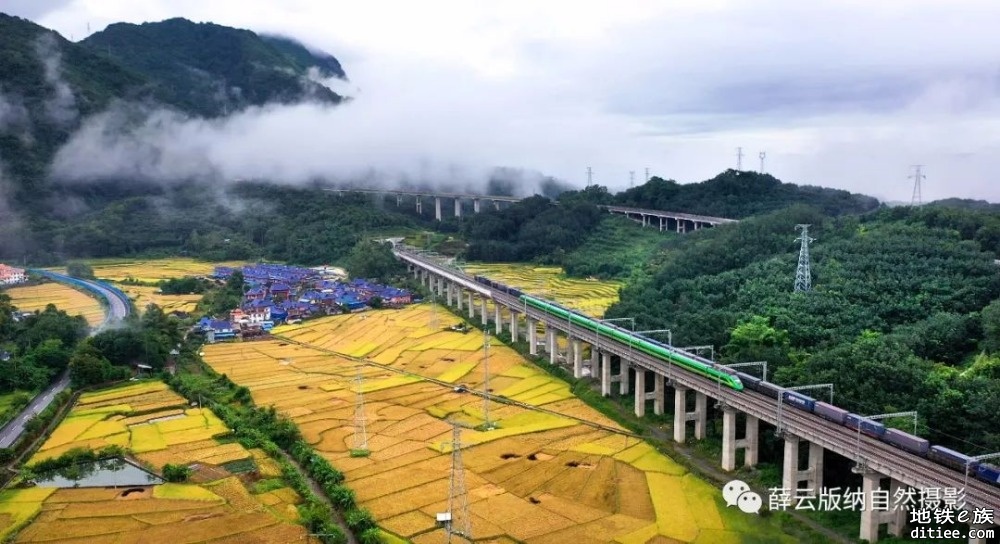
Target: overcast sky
(843,94)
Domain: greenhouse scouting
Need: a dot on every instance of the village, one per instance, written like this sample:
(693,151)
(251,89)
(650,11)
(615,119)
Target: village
(276,294)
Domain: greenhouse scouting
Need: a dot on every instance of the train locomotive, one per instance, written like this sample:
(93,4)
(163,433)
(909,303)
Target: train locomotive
(740,380)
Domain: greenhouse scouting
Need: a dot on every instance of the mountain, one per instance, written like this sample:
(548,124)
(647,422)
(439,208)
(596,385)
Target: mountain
(212,70)
(738,194)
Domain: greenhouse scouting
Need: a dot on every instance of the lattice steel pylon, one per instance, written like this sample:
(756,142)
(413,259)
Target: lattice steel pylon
(458,499)
(803,276)
(360,445)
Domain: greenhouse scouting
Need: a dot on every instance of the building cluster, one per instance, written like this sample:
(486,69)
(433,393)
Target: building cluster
(11,275)
(276,294)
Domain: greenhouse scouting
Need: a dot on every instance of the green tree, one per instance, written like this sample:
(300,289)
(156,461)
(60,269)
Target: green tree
(80,270)
(176,473)
(373,260)
(990,320)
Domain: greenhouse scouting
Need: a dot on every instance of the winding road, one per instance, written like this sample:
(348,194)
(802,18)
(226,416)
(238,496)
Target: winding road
(118,308)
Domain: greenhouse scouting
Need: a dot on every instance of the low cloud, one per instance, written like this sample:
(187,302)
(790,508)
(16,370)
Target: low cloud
(60,106)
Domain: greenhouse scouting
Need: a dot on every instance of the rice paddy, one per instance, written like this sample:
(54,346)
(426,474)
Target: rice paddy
(143,295)
(538,477)
(159,427)
(591,297)
(152,270)
(30,298)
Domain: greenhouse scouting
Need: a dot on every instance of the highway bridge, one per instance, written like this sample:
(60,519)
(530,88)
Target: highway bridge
(118,307)
(664,220)
(881,466)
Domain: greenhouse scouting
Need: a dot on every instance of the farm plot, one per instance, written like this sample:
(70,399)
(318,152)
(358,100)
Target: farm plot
(143,295)
(536,477)
(152,270)
(158,427)
(30,298)
(591,297)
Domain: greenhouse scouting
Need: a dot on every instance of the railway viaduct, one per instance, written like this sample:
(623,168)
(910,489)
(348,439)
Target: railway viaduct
(663,220)
(883,467)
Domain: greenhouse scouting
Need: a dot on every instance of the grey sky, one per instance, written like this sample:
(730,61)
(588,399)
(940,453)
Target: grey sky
(845,94)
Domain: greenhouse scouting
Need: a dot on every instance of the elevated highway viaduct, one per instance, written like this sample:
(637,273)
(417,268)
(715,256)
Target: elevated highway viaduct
(663,220)
(883,468)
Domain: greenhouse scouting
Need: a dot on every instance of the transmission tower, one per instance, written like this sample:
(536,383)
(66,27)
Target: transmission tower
(917,176)
(590,176)
(459,522)
(803,277)
(762,155)
(739,159)
(631,178)
(360,446)
(647,175)
(487,424)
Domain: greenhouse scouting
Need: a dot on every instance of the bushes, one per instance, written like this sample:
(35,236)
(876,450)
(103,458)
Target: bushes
(176,473)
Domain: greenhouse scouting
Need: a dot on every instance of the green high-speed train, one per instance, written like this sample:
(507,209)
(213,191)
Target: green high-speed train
(703,367)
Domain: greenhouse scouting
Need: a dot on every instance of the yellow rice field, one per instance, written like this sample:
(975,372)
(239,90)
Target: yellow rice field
(160,428)
(36,297)
(538,477)
(154,269)
(143,295)
(591,297)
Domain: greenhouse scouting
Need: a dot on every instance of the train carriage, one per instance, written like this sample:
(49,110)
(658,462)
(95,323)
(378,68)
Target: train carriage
(830,412)
(907,441)
(954,459)
(798,400)
(868,426)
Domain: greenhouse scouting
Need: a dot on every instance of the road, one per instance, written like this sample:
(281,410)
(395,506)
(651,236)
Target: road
(117,310)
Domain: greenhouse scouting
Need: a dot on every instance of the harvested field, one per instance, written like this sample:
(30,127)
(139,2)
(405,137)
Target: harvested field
(536,477)
(152,270)
(30,298)
(143,295)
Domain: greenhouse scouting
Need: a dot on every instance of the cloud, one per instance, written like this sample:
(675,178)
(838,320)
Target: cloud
(843,94)
(60,107)
(13,114)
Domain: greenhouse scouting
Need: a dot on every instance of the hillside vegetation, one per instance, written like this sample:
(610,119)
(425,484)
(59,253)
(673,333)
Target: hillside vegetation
(904,313)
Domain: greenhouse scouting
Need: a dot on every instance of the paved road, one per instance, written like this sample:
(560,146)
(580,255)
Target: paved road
(117,310)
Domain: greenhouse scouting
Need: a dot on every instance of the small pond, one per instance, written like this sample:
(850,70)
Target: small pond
(104,473)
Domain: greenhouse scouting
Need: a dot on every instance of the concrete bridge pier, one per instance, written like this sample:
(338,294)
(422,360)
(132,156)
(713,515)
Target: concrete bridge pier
(576,348)
(623,377)
(475,205)
(681,227)
(485,314)
(605,364)
(872,519)
(532,335)
(663,221)
(472,307)
(450,289)
(420,206)
(730,444)
(437,208)
(458,207)
(496,205)
(792,475)
(641,395)
(458,298)
(513,326)
(550,343)
(682,416)
(497,318)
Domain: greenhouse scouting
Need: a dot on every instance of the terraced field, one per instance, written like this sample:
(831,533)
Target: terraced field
(152,270)
(538,477)
(591,297)
(159,427)
(30,298)
(143,295)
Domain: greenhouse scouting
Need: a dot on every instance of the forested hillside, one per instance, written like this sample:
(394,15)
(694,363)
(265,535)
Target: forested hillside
(737,194)
(904,313)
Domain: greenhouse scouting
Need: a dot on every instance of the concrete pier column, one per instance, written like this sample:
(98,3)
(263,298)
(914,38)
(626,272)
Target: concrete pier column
(497,317)
(656,394)
(420,206)
(416,273)
(680,413)
(475,205)
(458,207)
(532,325)
(751,452)
(399,200)
(450,288)
(486,318)
(730,444)
(623,381)
(550,343)
(437,208)
(792,475)
(700,415)
(472,307)
(594,359)
(605,374)
(640,391)
(496,205)
(662,221)
(874,515)
(458,298)
(576,348)
(513,326)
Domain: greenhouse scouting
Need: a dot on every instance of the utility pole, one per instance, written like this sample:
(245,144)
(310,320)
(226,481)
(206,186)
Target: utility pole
(803,276)
(360,446)
(917,176)
(739,159)
(762,154)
